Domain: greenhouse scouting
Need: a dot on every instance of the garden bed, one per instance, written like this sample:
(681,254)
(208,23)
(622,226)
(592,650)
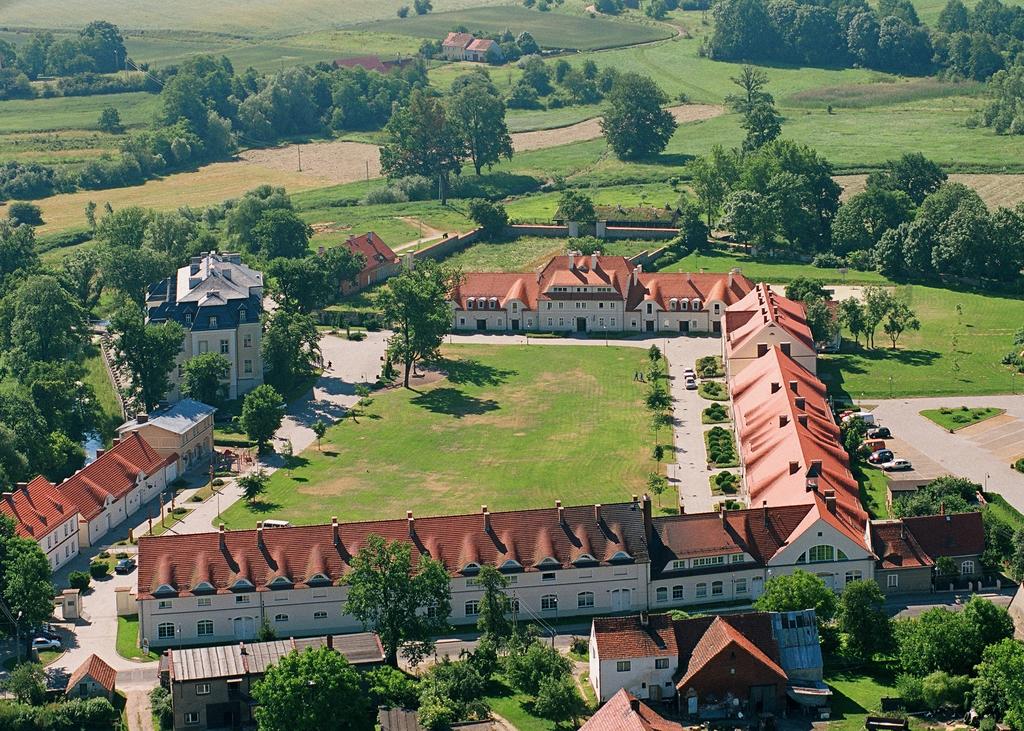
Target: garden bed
(710,366)
(954,419)
(721,447)
(713,391)
(724,483)
(714,414)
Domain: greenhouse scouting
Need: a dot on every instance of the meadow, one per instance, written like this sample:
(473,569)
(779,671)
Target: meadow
(527,253)
(506,428)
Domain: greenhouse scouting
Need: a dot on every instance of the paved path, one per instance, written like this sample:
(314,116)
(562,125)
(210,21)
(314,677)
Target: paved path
(689,473)
(958,453)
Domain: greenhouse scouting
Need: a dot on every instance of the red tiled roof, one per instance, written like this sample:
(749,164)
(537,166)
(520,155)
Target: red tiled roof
(762,308)
(789,442)
(96,669)
(760,532)
(622,638)
(481,44)
(114,473)
(458,40)
(624,712)
(299,553)
(896,547)
(663,287)
(722,636)
(37,508)
(960,534)
(373,249)
(370,63)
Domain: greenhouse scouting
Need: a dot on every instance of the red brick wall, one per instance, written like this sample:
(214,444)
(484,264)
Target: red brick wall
(718,679)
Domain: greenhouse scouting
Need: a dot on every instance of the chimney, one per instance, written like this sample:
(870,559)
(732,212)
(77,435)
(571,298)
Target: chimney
(648,520)
(802,418)
(100,453)
(830,501)
(572,259)
(645,619)
(242,650)
(141,418)
(764,512)
(634,704)
(762,349)
(334,530)
(220,530)
(412,523)
(369,237)
(115,441)
(593,260)
(730,278)
(942,508)
(635,276)
(487,518)
(21,485)
(816,467)
(561,512)
(597,513)
(783,420)
(794,386)
(636,500)
(330,642)
(903,530)
(722,511)
(794,467)
(800,401)
(776,386)
(786,348)
(259,535)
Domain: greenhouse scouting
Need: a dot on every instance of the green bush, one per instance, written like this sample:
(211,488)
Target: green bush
(163,711)
(79,580)
(1019,465)
(98,569)
(357,336)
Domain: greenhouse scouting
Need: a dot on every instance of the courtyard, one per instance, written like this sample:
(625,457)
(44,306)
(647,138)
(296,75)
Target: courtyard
(509,426)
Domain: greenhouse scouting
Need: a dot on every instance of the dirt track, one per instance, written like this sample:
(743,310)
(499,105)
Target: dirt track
(347,162)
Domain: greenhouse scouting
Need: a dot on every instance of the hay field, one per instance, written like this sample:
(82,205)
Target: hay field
(995,190)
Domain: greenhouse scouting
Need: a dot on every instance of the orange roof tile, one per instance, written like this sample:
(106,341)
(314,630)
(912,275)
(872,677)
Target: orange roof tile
(762,308)
(896,547)
(624,712)
(960,534)
(722,636)
(622,638)
(114,473)
(96,669)
(373,249)
(37,508)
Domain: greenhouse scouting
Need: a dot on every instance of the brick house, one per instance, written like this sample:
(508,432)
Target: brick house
(43,514)
(595,293)
(381,262)
(92,679)
(909,548)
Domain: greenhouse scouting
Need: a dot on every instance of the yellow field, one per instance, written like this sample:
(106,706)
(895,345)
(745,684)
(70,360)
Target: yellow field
(211,184)
(995,190)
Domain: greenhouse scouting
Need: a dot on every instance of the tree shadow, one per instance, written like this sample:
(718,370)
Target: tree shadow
(473,372)
(263,506)
(453,402)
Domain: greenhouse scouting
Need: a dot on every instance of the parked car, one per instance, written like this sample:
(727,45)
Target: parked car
(691,384)
(46,630)
(880,432)
(882,456)
(897,465)
(45,643)
(873,445)
(125,566)
(689,373)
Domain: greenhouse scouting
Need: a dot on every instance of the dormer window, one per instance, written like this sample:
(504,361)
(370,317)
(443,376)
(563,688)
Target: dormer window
(684,305)
(510,565)
(470,302)
(213,321)
(165,589)
(673,304)
(471,568)
(696,305)
(677,565)
(281,581)
(621,556)
(585,558)
(188,318)
(318,579)
(242,585)
(203,586)
(548,561)
(241,315)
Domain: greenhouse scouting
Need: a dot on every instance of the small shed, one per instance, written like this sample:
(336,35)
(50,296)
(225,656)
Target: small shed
(93,679)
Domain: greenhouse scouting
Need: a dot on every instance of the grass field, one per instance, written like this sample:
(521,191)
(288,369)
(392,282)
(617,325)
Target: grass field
(953,419)
(873,490)
(511,427)
(527,253)
(128,640)
(96,376)
(767,270)
(75,113)
(550,30)
(953,353)
(395,224)
(857,693)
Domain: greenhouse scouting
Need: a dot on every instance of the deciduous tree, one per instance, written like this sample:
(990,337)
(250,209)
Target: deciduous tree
(494,605)
(798,591)
(478,115)
(253,484)
(204,376)
(262,413)
(422,140)
(291,348)
(899,319)
(863,620)
(634,122)
(148,351)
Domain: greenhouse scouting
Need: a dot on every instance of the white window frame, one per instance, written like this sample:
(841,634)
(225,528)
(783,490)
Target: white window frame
(202,689)
(204,624)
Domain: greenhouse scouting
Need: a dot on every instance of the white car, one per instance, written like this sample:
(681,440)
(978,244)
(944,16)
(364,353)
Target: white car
(691,384)
(45,643)
(897,465)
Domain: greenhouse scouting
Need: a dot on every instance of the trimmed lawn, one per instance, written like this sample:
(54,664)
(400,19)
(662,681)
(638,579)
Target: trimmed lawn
(128,640)
(858,693)
(873,488)
(526,253)
(954,353)
(1003,511)
(516,708)
(957,418)
(96,376)
(768,270)
(511,427)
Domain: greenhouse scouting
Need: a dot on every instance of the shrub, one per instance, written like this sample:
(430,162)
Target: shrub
(1019,465)
(22,213)
(403,12)
(98,569)
(579,646)
(357,336)
(121,554)
(79,580)
(163,711)
(490,217)
(828,260)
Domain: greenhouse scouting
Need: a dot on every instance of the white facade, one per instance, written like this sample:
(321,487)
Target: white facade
(645,677)
(115,512)
(61,544)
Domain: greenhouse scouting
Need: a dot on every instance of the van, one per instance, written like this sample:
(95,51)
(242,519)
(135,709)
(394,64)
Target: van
(276,524)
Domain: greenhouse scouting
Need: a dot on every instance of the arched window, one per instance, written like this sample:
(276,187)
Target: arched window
(472,608)
(585,600)
(696,305)
(165,630)
(677,593)
(204,627)
(717,589)
(967,567)
(470,302)
(684,305)
(549,602)
(821,554)
(661,594)
(673,304)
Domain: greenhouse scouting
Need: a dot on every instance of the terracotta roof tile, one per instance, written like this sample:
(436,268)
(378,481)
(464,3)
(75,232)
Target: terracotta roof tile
(896,547)
(624,712)
(96,669)
(222,559)
(37,508)
(114,473)
(960,534)
(373,249)
(721,636)
(622,638)
(458,40)
(763,308)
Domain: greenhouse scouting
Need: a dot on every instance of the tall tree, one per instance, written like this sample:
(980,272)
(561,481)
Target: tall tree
(763,124)
(131,269)
(17,251)
(494,605)
(877,303)
(148,351)
(291,348)
(416,304)
(478,115)
(306,688)
(863,620)
(912,173)
(898,320)
(422,140)
(405,603)
(262,413)
(28,581)
(752,82)
(280,232)
(204,376)
(80,275)
(634,122)
(713,177)
(795,592)
(312,283)
(999,687)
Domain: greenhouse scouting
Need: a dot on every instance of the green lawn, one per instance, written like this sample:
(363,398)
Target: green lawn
(526,253)
(857,694)
(1003,511)
(873,490)
(550,30)
(396,224)
(76,112)
(128,640)
(954,353)
(516,708)
(767,270)
(97,377)
(511,427)
(952,419)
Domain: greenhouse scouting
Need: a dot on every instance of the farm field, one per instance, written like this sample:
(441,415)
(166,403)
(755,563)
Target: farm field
(75,113)
(527,253)
(506,428)
(995,190)
(550,30)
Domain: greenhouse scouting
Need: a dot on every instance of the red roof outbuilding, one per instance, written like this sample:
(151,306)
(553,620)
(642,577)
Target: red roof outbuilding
(37,508)
(625,712)
(93,667)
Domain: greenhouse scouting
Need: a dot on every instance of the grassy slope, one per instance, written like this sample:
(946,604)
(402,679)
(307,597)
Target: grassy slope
(77,113)
(550,30)
(768,271)
(528,253)
(506,413)
(96,376)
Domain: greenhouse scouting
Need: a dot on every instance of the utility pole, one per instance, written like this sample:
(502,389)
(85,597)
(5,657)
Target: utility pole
(298,149)
(367,171)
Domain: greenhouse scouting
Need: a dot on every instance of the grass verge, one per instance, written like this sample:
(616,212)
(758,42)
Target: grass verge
(128,640)
(954,419)
(873,490)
